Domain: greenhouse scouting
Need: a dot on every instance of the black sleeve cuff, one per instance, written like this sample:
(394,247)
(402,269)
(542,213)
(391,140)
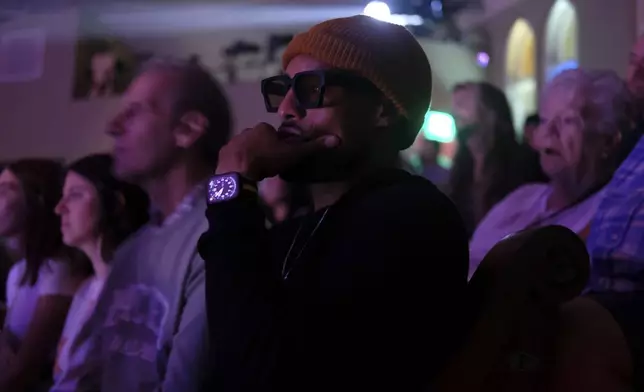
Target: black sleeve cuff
(242,212)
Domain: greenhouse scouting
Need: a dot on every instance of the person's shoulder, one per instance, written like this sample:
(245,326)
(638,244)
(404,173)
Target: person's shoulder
(55,267)
(413,199)
(127,252)
(128,246)
(16,272)
(406,216)
(410,188)
(56,276)
(192,221)
(86,285)
(523,198)
(137,236)
(18,268)
(530,189)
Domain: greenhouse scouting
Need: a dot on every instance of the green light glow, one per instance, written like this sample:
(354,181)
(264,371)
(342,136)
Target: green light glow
(439,126)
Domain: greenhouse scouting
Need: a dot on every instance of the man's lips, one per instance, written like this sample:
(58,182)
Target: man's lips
(117,150)
(290,134)
(290,129)
(551,151)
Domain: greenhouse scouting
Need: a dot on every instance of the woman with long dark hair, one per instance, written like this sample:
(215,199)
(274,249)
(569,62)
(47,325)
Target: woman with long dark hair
(98,212)
(5,265)
(489,162)
(40,286)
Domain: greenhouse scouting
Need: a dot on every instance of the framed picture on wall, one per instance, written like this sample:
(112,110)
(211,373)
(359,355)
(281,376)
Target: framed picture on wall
(249,61)
(104,68)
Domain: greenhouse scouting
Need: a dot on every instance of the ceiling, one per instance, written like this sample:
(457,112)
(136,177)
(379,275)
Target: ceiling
(10,9)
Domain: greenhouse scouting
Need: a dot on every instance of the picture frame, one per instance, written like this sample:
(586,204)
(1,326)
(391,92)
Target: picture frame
(104,68)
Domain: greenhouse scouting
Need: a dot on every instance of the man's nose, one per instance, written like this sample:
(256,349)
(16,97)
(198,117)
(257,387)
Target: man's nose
(60,208)
(115,126)
(289,108)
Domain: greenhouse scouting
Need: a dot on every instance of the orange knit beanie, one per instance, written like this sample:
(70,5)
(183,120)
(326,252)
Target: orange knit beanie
(386,54)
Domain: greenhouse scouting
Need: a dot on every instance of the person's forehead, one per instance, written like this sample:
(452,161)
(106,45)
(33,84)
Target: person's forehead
(465,96)
(7,177)
(303,63)
(153,86)
(561,98)
(73,179)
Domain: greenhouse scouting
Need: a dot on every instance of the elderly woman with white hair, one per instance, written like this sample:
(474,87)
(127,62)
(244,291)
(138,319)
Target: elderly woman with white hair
(583,114)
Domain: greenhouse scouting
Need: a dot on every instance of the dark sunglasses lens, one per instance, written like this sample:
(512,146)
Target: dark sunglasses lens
(275,91)
(308,90)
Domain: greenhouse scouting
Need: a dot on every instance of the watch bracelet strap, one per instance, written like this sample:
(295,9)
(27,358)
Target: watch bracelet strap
(249,186)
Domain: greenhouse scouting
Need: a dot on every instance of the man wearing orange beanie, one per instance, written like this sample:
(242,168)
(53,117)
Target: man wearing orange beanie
(346,298)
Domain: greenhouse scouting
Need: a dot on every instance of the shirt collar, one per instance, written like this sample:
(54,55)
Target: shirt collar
(186,205)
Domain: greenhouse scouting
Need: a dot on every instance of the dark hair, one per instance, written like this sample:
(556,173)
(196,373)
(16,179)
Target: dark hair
(124,207)
(41,184)
(199,91)
(5,266)
(532,120)
(502,169)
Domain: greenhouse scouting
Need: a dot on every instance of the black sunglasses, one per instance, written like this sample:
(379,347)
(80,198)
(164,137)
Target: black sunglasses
(309,87)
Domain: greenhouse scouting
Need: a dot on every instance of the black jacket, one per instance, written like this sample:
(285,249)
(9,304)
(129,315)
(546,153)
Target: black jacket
(371,304)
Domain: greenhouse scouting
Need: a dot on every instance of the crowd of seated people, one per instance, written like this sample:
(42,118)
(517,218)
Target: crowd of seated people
(52,287)
(295,258)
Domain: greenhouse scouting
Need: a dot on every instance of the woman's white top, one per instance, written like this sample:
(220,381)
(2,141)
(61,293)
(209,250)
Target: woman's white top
(527,207)
(54,278)
(70,356)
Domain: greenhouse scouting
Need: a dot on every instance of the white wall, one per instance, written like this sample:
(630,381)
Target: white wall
(640,17)
(40,118)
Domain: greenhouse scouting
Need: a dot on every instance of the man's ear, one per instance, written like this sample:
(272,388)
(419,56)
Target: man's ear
(612,144)
(616,140)
(386,114)
(394,126)
(192,126)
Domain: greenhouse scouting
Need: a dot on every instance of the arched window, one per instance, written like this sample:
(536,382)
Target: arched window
(561,38)
(520,80)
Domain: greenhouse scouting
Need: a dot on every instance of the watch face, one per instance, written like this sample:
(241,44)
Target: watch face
(222,188)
